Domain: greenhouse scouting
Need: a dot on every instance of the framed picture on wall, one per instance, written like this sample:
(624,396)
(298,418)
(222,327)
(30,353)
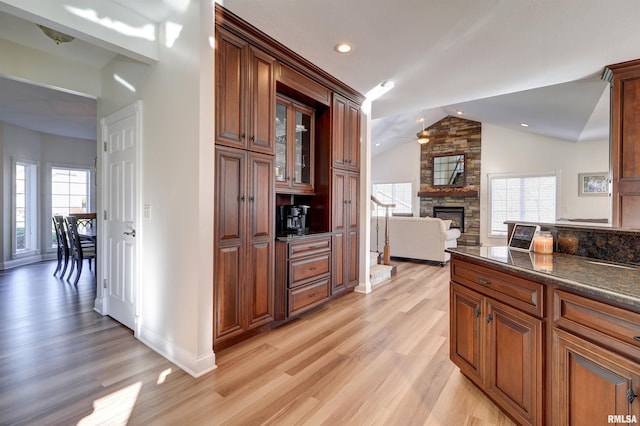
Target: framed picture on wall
(593,184)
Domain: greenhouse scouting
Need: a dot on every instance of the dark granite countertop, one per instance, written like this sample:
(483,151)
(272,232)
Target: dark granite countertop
(614,282)
(307,236)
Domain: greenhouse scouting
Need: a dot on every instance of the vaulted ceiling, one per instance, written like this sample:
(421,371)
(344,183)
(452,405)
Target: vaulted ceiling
(497,61)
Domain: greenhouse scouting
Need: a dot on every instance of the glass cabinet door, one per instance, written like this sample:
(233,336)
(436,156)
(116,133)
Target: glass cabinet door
(302,162)
(294,147)
(281,142)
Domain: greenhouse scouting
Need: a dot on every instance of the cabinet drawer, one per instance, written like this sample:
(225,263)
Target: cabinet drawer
(308,296)
(613,327)
(307,269)
(309,247)
(515,291)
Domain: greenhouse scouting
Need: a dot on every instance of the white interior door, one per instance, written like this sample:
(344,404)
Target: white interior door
(121,140)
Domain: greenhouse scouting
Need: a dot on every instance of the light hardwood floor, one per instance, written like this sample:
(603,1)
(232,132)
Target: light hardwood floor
(377,359)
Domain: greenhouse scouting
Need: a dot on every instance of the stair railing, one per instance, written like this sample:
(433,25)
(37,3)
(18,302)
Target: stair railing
(387,247)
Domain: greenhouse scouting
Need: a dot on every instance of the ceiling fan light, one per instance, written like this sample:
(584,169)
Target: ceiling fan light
(423,137)
(56,36)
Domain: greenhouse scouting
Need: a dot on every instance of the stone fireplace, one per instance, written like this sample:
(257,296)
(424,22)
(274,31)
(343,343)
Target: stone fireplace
(450,136)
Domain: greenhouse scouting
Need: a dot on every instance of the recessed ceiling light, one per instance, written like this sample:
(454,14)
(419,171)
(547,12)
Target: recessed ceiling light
(524,124)
(378,144)
(459,112)
(343,47)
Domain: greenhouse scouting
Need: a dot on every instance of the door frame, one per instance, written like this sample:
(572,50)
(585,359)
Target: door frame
(101,306)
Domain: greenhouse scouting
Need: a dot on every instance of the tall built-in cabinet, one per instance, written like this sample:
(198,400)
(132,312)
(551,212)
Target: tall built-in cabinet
(244,218)
(345,186)
(283,129)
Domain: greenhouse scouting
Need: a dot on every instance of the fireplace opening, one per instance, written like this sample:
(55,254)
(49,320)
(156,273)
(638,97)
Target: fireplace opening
(455,214)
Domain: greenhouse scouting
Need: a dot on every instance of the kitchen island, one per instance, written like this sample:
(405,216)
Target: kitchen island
(551,339)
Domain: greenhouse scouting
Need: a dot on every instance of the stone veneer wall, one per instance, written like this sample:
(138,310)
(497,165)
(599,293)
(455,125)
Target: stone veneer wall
(454,135)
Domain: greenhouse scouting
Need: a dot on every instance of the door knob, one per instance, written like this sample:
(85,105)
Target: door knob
(131,233)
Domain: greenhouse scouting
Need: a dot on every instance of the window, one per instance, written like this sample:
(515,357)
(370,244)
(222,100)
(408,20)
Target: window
(69,192)
(399,194)
(527,198)
(25,226)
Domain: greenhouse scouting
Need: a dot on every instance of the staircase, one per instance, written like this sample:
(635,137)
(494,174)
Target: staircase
(379,273)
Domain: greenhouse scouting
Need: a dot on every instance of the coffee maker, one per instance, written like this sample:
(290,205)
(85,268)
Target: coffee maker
(292,219)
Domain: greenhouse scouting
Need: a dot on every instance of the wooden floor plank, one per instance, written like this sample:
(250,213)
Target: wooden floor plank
(375,359)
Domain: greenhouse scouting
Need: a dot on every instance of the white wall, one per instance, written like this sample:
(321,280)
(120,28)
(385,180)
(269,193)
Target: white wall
(399,164)
(176,257)
(509,151)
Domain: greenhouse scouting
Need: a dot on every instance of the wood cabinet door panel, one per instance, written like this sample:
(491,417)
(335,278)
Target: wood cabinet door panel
(338,253)
(339,201)
(260,284)
(230,89)
(353,201)
(260,199)
(352,259)
(514,371)
(261,136)
(465,344)
(228,282)
(230,192)
(339,122)
(353,136)
(591,383)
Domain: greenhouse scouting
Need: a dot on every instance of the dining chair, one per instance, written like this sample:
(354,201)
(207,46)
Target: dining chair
(78,250)
(63,244)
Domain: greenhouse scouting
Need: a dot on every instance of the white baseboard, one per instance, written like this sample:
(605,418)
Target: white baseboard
(196,366)
(21,261)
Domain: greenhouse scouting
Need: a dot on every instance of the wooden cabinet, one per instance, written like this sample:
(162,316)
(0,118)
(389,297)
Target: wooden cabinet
(245,95)
(294,147)
(345,226)
(346,133)
(496,345)
(625,154)
(591,384)
(596,353)
(244,242)
(303,274)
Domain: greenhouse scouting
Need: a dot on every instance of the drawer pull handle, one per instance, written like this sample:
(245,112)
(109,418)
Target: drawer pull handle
(631,395)
(489,318)
(312,295)
(636,338)
(484,282)
(313,268)
(477,312)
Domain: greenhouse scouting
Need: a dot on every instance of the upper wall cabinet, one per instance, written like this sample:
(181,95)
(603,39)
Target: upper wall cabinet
(346,134)
(294,147)
(245,95)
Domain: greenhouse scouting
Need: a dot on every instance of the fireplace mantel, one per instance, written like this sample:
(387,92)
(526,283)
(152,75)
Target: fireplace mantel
(448,192)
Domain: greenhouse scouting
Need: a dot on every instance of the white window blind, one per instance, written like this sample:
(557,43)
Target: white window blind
(399,194)
(527,198)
